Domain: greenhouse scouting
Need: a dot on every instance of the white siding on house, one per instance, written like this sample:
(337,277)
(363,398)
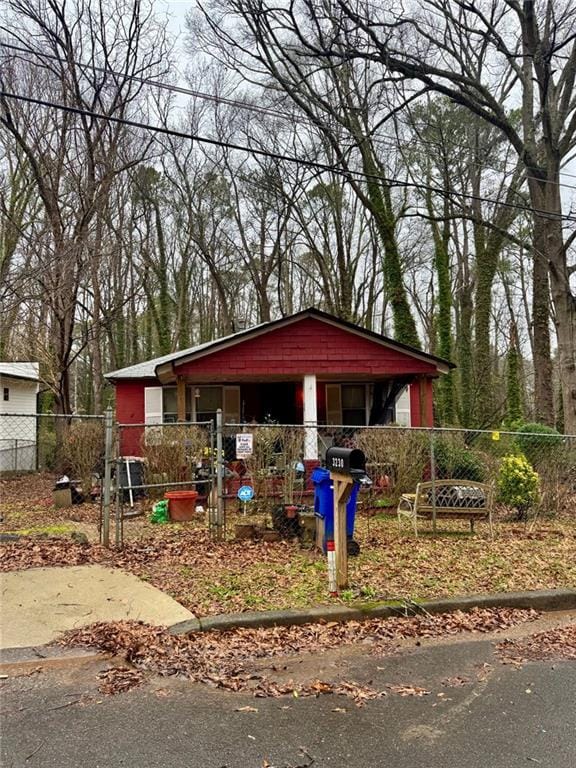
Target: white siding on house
(17,433)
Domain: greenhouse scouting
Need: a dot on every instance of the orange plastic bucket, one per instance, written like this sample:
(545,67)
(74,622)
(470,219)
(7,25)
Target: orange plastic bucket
(181,505)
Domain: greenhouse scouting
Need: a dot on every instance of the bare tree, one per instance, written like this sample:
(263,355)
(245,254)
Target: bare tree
(531,46)
(344,104)
(89,55)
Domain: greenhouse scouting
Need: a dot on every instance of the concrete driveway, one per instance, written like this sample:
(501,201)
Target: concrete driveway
(40,603)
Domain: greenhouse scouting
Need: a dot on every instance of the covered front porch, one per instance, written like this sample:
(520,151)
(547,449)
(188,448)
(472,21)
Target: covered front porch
(311,399)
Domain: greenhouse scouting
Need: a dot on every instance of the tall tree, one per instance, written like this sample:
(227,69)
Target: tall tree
(344,104)
(531,46)
(83,55)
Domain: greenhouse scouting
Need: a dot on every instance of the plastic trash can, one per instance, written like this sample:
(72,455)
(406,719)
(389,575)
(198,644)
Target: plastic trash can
(324,507)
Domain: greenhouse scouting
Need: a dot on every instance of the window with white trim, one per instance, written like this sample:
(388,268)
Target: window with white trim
(208,401)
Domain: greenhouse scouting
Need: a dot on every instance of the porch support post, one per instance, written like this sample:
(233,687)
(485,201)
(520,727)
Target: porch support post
(428,402)
(415,404)
(181,398)
(310,418)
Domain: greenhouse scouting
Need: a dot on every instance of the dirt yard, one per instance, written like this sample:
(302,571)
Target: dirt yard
(209,577)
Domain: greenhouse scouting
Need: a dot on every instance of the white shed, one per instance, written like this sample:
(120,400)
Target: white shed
(19,386)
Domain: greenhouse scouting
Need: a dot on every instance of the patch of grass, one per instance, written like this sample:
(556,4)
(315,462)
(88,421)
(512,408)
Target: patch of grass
(63,529)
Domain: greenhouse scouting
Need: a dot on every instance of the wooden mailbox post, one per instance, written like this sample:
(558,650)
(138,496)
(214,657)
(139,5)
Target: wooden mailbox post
(346,466)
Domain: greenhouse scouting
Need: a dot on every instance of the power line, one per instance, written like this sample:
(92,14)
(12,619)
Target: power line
(216,99)
(349,174)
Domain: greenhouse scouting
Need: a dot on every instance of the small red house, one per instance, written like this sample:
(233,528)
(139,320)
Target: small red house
(309,368)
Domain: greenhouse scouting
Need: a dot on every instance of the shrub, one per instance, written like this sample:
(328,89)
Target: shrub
(537,441)
(266,453)
(400,454)
(454,460)
(82,450)
(172,452)
(518,484)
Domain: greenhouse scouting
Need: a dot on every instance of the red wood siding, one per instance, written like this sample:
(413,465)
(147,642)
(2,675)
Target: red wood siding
(415,415)
(422,403)
(130,410)
(307,346)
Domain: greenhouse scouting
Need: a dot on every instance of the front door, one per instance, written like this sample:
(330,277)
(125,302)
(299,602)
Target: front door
(278,402)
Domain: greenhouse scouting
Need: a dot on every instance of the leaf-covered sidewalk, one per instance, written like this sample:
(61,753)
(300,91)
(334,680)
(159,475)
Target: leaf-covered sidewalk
(210,578)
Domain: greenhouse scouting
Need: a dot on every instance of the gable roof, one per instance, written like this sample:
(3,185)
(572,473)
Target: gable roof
(27,370)
(155,367)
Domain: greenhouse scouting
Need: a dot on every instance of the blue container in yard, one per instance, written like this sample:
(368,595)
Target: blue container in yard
(324,507)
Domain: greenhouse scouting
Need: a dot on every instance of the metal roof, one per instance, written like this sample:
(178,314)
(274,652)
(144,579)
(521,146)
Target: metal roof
(26,370)
(147,369)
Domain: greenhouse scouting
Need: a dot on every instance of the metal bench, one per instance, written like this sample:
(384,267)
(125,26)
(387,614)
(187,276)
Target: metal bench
(453,498)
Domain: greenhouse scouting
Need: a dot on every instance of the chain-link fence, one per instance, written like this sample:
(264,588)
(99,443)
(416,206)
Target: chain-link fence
(123,469)
(52,473)
(533,471)
(65,445)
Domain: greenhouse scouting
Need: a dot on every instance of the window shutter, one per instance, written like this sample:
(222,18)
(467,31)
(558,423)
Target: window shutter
(333,404)
(153,405)
(231,405)
(402,407)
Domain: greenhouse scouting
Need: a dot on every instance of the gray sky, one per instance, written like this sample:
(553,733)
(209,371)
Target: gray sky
(175,11)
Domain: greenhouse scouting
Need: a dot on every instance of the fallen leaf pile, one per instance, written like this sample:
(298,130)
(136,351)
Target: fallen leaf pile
(31,552)
(119,679)
(27,501)
(552,644)
(223,659)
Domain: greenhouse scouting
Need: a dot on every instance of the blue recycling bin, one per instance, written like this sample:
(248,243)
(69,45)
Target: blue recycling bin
(324,504)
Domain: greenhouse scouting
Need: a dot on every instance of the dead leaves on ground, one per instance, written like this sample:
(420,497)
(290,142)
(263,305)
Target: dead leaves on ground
(33,552)
(223,659)
(550,645)
(408,690)
(119,680)
(210,577)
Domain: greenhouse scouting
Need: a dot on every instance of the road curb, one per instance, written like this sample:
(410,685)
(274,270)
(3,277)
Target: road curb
(23,661)
(540,600)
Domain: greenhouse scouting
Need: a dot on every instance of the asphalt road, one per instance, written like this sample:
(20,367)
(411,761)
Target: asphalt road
(501,717)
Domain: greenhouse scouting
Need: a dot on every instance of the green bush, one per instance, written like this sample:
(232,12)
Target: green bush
(518,484)
(536,441)
(454,460)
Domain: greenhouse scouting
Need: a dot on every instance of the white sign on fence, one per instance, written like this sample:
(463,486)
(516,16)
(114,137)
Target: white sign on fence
(244,445)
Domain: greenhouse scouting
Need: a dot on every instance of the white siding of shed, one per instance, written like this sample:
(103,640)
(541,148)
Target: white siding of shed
(17,433)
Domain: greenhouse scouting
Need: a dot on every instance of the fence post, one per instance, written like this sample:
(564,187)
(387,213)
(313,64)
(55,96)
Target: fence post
(212,499)
(433,479)
(219,476)
(106,491)
(16,455)
(118,524)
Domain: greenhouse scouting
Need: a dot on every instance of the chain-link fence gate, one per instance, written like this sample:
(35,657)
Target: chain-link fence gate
(157,460)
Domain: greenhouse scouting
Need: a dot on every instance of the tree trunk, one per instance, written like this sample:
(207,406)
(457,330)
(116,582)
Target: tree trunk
(546,239)
(565,318)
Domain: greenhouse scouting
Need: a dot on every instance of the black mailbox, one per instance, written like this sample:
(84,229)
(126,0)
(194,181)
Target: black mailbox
(346,461)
